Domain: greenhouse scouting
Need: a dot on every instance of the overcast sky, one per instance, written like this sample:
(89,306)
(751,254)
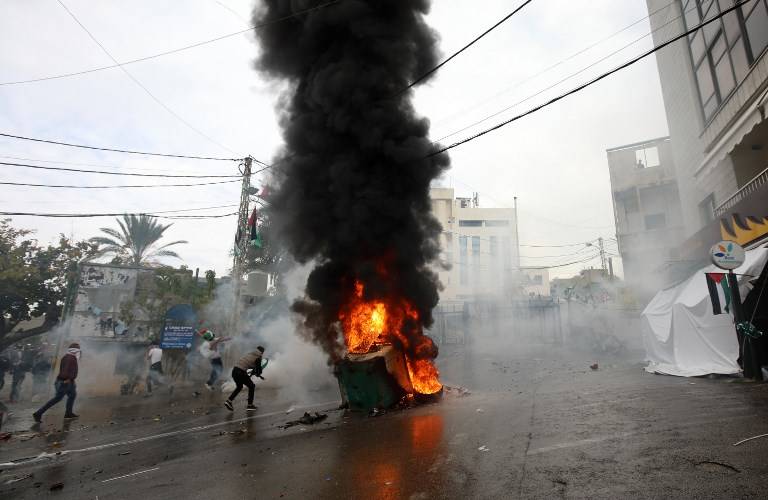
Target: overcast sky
(554,161)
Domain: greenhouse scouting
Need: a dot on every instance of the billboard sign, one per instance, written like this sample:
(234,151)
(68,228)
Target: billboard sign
(179,328)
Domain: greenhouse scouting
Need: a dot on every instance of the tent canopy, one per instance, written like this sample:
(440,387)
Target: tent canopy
(681,334)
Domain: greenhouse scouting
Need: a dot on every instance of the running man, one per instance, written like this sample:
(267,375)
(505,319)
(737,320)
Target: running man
(210,350)
(65,384)
(251,361)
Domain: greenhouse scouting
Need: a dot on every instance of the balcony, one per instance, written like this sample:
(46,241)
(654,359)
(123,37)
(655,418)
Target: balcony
(745,192)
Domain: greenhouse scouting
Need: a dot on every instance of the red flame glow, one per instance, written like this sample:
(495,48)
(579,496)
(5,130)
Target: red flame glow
(376,322)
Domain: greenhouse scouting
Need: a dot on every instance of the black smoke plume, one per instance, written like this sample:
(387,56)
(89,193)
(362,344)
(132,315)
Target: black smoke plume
(354,175)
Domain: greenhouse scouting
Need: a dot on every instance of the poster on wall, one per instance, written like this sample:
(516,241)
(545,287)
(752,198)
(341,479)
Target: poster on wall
(179,328)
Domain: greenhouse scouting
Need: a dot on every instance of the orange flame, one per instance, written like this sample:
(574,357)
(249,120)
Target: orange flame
(367,323)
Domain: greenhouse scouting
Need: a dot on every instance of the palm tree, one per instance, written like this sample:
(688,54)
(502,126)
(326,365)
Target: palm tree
(136,241)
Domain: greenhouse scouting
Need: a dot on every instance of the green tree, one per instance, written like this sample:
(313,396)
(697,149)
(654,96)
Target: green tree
(136,242)
(34,279)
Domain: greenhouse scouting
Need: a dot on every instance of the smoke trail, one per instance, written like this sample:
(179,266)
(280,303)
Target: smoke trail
(353,178)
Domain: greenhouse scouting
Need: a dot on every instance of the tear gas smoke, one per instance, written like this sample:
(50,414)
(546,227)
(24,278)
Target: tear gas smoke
(354,175)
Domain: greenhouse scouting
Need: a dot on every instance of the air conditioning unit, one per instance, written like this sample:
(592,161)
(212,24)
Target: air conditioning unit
(257,284)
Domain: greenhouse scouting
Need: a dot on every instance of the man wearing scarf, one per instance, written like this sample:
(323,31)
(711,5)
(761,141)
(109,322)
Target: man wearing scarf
(65,383)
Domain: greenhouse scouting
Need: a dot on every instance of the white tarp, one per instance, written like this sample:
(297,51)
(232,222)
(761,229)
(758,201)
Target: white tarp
(681,334)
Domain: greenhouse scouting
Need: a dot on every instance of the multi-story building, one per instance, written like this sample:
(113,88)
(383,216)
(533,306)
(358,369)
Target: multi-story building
(480,246)
(646,206)
(715,88)
(535,281)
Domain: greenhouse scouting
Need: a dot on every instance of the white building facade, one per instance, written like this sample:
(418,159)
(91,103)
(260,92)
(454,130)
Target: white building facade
(479,247)
(715,89)
(646,206)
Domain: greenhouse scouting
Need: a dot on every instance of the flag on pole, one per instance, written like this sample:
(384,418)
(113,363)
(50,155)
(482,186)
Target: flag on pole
(719,295)
(255,237)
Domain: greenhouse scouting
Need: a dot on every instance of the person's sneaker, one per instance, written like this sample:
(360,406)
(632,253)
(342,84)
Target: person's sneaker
(209,387)
(38,418)
(250,408)
(228,405)
(71,415)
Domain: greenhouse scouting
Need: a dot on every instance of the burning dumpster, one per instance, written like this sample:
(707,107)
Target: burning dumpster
(382,339)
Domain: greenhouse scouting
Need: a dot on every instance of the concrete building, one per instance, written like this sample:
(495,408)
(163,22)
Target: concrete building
(480,246)
(535,281)
(715,89)
(646,206)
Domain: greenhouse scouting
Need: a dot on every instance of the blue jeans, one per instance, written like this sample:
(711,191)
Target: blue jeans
(217,366)
(62,389)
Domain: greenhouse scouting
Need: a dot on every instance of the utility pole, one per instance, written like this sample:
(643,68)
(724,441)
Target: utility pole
(602,255)
(241,244)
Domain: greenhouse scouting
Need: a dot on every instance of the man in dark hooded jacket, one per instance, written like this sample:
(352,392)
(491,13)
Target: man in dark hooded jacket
(65,383)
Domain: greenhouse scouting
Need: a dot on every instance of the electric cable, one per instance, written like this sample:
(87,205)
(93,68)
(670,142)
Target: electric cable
(174,51)
(141,85)
(24,165)
(558,63)
(116,214)
(587,84)
(115,150)
(82,164)
(465,47)
(582,70)
(70,186)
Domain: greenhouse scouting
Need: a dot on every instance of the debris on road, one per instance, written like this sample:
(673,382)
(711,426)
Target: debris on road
(594,366)
(483,448)
(5,436)
(17,479)
(124,453)
(456,390)
(719,464)
(750,439)
(289,410)
(306,419)
(56,486)
(480,410)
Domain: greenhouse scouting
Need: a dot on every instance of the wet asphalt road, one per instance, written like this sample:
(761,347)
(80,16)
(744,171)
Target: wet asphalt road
(538,423)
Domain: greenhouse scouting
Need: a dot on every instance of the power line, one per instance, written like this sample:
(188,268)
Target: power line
(81,164)
(117,214)
(446,61)
(582,70)
(587,84)
(141,85)
(115,150)
(174,51)
(114,187)
(558,63)
(24,165)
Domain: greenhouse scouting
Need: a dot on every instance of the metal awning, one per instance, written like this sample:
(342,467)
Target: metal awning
(753,116)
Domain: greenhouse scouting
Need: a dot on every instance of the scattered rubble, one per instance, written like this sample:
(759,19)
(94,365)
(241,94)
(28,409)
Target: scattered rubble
(306,419)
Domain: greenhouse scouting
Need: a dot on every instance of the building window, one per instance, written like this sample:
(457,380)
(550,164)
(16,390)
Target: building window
(723,50)
(707,209)
(463,272)
(494,245)
(655,221)
(506,251)
(471,223)
(497,223)
(647,157)
(475,246)
(627,200)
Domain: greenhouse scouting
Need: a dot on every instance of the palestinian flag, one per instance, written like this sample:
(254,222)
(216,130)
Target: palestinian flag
(253,229)
(719,294)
